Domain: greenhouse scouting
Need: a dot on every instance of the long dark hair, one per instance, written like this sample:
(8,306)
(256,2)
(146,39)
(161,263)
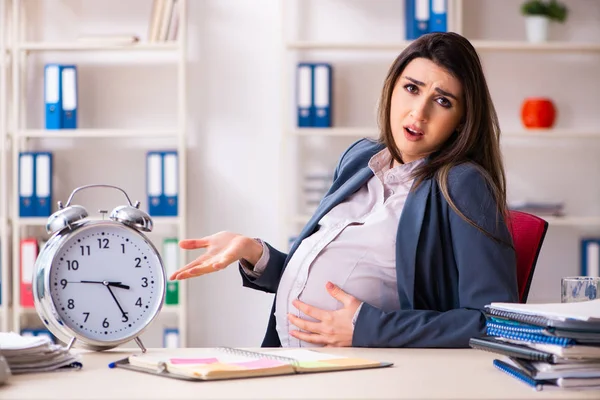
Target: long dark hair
(478,138)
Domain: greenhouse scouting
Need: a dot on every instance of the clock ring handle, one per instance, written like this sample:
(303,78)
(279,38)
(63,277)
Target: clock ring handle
(97,185)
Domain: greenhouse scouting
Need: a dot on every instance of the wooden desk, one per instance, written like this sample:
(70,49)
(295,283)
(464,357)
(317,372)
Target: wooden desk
(417,373)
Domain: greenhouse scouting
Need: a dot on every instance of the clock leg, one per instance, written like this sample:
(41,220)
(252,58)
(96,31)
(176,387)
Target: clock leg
(139,343)
(71,343)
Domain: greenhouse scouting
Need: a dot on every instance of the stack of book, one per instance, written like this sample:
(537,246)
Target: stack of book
(545,345)
(27,354)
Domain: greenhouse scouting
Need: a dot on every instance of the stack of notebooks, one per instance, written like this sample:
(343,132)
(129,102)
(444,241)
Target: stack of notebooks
(553,345)
(28,354)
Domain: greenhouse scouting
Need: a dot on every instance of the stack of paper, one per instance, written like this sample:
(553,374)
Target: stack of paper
(35,354)
(553,344)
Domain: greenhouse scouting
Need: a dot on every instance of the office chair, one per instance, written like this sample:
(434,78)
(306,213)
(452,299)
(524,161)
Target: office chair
(528,232)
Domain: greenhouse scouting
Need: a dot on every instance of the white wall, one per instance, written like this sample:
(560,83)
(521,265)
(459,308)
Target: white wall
(235,110)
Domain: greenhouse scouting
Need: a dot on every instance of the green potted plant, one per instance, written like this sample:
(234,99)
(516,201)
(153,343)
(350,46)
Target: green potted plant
(538,14)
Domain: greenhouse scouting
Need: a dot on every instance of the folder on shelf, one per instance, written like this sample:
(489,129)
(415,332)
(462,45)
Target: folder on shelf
(171,338)
(52,96)
(154,182)
(69,96)
(590,257)
(438,16)
(417,18)
(170,183)
(29,253)
(43,184)
(26,182)
(322,95)
(170,258)
(304,95)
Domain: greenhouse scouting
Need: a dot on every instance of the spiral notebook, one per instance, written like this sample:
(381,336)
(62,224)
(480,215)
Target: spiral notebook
(583,315)
(230,363)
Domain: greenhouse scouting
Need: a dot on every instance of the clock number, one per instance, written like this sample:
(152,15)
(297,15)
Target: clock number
(85,250)
(145,280)
(123,247)
(125,317)
(103,243)
(63,282)
(139,302)
(72,265)
(138,262)
(87,315)
(105,323)
(71,304)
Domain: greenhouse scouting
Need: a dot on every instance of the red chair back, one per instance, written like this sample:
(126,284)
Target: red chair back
(528,232)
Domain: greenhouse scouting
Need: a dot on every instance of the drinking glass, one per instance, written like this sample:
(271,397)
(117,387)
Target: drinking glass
(579,288)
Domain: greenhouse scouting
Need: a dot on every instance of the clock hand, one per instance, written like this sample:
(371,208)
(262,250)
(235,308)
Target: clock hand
(115,284)
(116,301)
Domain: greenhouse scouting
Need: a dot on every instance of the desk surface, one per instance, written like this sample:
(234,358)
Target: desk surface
(417,373)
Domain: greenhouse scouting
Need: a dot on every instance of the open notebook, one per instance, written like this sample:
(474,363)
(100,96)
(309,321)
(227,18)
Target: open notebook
(229,363)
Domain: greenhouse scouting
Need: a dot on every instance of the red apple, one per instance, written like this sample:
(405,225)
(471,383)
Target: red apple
(538,112)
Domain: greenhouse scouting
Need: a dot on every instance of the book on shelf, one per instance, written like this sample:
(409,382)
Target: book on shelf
(231,363)
(164,21)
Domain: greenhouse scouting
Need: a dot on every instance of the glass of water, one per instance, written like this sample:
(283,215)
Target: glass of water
(579,288)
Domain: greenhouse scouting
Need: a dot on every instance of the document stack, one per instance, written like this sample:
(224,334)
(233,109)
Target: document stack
(553,345)
(27,354)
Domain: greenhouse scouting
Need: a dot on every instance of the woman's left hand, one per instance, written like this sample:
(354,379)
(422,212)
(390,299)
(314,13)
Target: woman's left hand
(334,328)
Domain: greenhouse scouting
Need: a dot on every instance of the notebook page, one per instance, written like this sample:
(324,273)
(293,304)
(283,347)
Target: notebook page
(583,311)
(303,355)
(315,360)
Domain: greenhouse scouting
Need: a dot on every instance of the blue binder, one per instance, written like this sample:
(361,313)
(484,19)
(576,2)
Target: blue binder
(322,87)
(26,184)
(154,183)
(590,257)
(52,95)
(171,338)
(304,95)
(43,184)
(438,16)
(69,96)
(417,18)
(170,183)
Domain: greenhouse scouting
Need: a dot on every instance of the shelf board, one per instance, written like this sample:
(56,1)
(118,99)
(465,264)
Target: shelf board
(552,134)
(344,132)
(550,46)
(532,133)
(572,221)
(553,221)
(41,221)
(482,45)
(96,133)
(77,46)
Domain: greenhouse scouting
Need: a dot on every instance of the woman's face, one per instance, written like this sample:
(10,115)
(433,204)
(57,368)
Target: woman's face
(426,107)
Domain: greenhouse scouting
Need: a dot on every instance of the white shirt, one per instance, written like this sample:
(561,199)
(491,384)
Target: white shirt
(354,248)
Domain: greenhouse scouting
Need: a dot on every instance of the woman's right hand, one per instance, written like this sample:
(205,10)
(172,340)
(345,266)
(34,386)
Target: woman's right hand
(222,249)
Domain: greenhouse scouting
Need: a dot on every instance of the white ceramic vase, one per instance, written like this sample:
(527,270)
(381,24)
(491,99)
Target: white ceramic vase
(537,28)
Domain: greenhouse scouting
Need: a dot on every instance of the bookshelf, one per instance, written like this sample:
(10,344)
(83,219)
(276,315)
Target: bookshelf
(24,135)
(4,228)
(307,41)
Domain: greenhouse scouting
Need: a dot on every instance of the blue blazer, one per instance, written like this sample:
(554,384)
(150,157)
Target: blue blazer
(447,270)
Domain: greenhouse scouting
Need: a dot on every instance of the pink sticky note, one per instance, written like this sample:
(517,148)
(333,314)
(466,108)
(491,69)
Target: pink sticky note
(193,360)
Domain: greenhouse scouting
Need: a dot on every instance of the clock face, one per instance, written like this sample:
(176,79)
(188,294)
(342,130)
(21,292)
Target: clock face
(106,282)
